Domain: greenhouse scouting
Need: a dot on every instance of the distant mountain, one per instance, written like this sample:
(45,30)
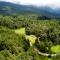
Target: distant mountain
(10,8)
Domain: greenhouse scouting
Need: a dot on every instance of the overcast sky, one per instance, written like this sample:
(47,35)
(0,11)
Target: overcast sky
(52,3)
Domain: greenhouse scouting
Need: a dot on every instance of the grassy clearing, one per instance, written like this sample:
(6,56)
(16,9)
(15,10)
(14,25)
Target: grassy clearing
(21,31)
(55,49)
(31,38)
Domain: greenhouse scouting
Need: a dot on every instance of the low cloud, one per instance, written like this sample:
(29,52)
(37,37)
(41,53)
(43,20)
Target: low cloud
(52,3)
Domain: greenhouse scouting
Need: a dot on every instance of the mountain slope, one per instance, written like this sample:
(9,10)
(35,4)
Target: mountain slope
(9,8)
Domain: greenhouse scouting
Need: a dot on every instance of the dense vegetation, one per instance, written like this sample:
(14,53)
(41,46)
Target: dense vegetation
(15,46)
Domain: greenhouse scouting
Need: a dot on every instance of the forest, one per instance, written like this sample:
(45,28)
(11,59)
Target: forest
(29,37)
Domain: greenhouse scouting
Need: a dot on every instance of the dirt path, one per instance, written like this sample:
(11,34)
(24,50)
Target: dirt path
(44,54)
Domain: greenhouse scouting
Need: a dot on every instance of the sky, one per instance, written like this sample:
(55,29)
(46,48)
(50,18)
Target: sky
(52,3)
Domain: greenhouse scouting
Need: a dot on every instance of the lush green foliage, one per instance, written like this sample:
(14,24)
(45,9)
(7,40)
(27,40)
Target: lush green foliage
(14,46)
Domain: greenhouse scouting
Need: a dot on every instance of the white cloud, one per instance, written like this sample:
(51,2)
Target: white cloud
(52,3)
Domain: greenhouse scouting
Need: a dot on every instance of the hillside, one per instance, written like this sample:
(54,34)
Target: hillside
(21,38)
(28,32)
(10,8)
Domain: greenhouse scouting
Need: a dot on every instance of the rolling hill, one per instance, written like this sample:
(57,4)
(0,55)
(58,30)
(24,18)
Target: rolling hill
(10,8)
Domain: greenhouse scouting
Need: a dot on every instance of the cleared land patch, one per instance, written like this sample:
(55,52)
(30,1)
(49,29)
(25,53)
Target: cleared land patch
(21,31)
(55,49)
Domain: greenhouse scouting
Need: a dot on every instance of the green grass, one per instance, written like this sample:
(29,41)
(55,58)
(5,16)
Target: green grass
(31,38)
(55,49)
(21,31)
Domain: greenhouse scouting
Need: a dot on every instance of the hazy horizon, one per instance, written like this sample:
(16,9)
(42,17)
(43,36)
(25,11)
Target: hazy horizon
(51,3)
